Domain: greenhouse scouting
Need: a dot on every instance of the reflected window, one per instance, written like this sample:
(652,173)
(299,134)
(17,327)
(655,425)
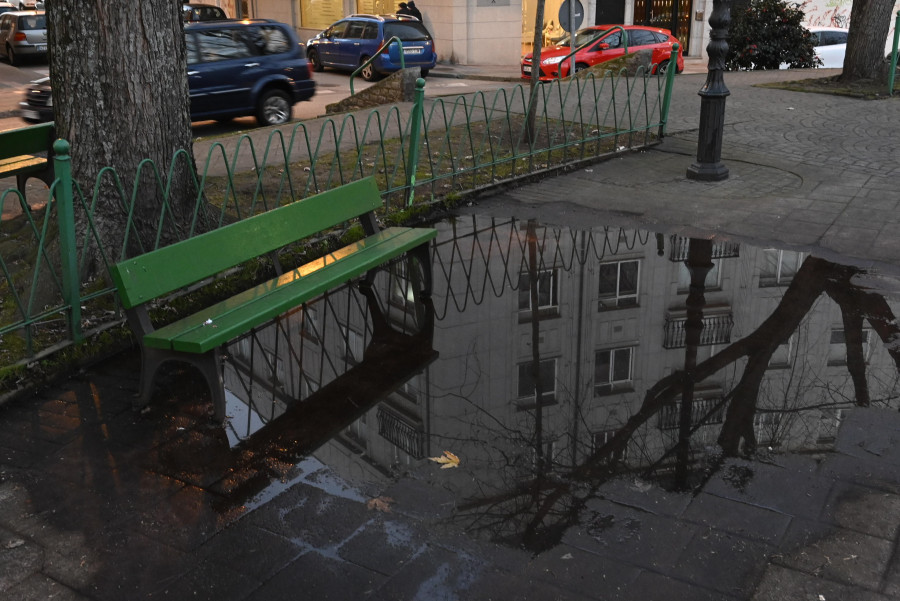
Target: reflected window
(782,356)
(601,438)
(766,425)
(547,291)
(713,281)
(779,266)
(309,323)
(619,284)
(222,44)
(547,378)
(837,350)
(353,345)
(612,370)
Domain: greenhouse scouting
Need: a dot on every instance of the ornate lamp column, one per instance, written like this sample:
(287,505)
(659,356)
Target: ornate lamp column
(709,166)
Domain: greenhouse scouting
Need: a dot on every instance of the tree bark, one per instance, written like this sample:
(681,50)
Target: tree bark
(870,21)
(119,77)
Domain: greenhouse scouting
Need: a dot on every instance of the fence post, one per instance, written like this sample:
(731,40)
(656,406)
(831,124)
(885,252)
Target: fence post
(415,125)
(667,94)
(893,71)
(65,210)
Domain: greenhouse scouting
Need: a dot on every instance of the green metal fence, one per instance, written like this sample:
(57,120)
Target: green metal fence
(55,290)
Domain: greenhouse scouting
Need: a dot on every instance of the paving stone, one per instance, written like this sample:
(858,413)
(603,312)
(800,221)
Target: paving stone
(722,561)
(396,539)
(782,584)
(650,586)
(644,495)
(435,573)
(745,520)
(208,581)
(38,587)
(870,511)
(249,550)
(837,554)
(313,576)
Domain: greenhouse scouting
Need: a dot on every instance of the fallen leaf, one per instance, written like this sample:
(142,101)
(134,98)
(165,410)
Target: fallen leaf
(448,459)
(382,504)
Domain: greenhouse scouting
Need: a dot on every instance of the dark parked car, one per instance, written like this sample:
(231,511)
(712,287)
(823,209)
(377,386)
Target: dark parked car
(23,34)
(352,41)
(235,68)
(203,12)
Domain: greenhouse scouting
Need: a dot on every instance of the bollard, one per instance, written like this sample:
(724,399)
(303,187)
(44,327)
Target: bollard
(63,193)
(415,124)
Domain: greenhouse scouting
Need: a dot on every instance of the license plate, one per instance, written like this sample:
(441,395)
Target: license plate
(41,47)
(33,115)
(526,69)
(412,51)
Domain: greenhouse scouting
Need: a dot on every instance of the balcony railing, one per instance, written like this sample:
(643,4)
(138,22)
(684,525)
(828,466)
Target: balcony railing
(409,438)
(716,330)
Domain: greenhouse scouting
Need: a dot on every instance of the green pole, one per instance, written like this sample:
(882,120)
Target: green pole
(65,207)
(415,125)
(893,71)
(667,94)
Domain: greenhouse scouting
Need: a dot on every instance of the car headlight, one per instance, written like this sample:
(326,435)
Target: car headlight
(552,60)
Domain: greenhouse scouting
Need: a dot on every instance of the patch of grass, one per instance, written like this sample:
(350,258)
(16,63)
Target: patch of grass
(866,89)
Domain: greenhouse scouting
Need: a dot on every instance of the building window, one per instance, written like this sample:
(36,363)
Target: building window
(619,284)
(837,350)
(612,370)
(599,439)
(779,267)
(547,291)
(353,345)
(526,392)
(670,414)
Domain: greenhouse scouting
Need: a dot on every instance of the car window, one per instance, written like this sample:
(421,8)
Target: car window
(337,30)
(355,29)
(830,38)
(614,39)
(32,22)
(268,39)
(408,31)
(222,44)
(660,37)
(371,31)
(640,37)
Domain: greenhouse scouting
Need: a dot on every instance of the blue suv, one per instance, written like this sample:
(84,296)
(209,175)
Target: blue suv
(352,41)
(235,68)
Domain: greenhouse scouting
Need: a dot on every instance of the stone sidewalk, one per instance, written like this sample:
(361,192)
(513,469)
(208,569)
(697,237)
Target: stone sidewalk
(99,503)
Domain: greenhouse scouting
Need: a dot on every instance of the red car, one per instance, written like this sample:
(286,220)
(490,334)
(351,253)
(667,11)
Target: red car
(603,43)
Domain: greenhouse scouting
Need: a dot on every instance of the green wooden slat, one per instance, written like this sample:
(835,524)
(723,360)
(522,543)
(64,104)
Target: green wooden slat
(178,265)
(26,140)
(253,307)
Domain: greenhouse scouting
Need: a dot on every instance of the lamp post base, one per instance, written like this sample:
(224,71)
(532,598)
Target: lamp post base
(708,172)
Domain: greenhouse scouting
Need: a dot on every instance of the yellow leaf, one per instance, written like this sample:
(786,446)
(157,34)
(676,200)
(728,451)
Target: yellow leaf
(382,504)
(448,459)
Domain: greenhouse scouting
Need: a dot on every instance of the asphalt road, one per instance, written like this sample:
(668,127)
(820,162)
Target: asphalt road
(331,87)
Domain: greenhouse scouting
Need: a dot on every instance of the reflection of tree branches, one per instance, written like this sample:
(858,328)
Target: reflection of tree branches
(550,506)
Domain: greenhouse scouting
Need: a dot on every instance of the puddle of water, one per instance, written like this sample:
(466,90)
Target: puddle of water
(549,360)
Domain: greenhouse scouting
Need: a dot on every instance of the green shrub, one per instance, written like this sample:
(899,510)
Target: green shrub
(765,34)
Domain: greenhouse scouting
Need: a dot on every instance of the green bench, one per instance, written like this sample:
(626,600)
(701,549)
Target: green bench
(199,338)
(28,152)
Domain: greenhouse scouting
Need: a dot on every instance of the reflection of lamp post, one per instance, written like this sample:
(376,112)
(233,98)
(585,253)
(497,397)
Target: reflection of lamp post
(699,263)
(709,166)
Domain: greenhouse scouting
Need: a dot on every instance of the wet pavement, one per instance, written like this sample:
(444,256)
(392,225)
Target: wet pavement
(581,474)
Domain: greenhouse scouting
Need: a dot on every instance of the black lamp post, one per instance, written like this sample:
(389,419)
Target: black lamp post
(709,165)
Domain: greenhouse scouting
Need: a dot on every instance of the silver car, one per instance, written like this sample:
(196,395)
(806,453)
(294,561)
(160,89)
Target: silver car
(23,34)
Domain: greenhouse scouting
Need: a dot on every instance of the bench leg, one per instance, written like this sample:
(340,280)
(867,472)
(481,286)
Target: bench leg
(422,253)
(209,364)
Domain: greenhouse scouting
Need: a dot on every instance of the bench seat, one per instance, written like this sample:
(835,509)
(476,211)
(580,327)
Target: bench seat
(248,309)
(28,152)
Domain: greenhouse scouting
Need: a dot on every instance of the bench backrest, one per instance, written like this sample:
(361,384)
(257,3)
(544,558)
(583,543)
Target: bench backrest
(27,140)
(162,271)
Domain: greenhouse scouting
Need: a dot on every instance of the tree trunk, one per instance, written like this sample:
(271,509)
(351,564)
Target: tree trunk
(870,21)
(119,77)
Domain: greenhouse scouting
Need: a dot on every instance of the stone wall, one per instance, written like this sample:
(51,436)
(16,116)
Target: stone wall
(397,87)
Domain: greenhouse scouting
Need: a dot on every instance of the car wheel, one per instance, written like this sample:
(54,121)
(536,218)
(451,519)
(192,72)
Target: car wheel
(11,55)
(274,108)
(579,67)
(662,67)
(313,57)
(368,73)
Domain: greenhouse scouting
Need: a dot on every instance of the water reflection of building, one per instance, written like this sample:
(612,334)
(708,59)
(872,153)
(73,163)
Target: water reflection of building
(583,324)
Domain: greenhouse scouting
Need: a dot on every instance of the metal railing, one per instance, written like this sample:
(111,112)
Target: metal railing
(54,286)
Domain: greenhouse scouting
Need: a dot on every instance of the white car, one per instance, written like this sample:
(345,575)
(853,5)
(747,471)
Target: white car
(831,44)
(27,4)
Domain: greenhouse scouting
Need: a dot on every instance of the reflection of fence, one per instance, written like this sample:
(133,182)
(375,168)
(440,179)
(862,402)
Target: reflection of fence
(407,437)
(466,143)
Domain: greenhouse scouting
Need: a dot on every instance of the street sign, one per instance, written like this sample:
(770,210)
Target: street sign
(577,15)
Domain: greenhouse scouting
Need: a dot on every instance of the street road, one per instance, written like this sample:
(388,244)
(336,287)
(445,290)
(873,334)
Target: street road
(331,86)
